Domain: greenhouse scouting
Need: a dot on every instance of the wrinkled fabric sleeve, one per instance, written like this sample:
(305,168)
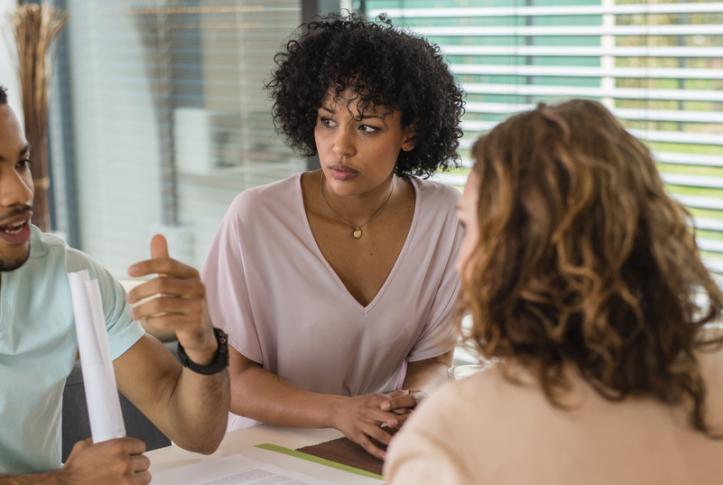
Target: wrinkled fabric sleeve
(419,456)
(439,333)
(425,448)
(224,276)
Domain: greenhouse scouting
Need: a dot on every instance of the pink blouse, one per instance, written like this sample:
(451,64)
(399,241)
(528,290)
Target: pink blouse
(283,306)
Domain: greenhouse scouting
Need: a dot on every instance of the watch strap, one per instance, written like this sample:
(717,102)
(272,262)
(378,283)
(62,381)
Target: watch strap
(220,359)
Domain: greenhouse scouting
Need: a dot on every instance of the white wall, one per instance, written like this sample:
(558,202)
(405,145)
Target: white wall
(8,56)
(116,142)
(116,138)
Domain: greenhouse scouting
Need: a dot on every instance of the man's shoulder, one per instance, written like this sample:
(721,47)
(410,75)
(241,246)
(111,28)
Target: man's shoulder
(43,244)
(52,252)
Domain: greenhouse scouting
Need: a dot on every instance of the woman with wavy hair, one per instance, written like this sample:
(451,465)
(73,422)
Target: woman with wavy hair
(336,286)
(582,278)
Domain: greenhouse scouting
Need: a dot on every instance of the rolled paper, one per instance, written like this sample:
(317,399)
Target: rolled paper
(101,393)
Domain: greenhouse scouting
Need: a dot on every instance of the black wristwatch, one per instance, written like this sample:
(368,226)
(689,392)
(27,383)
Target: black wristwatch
(219,362)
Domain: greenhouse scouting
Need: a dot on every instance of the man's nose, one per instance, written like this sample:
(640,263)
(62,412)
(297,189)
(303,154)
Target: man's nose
(15,189)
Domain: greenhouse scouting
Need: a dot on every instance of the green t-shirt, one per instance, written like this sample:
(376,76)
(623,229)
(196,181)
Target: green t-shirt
(38,348)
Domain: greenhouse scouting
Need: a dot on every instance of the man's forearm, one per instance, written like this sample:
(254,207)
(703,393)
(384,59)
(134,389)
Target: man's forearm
(198,410)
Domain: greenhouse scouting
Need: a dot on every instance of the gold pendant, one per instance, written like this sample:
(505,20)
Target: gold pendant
(357,233)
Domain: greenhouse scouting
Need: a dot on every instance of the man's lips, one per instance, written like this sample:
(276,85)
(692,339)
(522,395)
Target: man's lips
(16,232)
(18,219)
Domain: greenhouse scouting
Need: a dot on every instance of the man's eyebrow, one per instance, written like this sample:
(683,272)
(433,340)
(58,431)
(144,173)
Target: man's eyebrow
(22,152)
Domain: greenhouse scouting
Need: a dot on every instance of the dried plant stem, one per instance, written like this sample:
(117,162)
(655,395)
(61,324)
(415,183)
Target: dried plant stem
(36,28)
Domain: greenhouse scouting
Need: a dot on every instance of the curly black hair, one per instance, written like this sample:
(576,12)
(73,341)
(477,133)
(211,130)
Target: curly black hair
(3,95)
(383,66)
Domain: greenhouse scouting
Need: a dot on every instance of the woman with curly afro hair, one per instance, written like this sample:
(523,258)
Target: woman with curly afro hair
(336,285)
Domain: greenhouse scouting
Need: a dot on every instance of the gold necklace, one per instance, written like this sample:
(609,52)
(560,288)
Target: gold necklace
(357,230)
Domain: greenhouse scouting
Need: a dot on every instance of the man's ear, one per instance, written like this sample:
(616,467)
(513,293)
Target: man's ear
(409,138)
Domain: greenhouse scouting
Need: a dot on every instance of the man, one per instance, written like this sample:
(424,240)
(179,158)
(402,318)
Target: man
(38,345)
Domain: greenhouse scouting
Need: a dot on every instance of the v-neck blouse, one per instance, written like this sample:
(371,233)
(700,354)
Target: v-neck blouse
(283,306)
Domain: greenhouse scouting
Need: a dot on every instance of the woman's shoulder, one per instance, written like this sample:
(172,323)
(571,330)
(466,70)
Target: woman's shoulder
(490,396)
(280,194)
(437,207)
(443,435)
(436,193)
(451,405)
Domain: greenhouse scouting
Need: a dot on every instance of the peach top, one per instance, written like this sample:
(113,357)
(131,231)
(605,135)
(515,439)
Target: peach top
(486,430)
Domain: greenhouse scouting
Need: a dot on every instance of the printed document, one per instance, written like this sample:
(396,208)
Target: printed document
(234,470)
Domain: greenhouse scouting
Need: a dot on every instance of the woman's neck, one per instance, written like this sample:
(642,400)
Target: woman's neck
(358,208)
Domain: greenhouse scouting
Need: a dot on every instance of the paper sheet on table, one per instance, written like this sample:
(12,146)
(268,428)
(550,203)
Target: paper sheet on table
(234,470)
(104,411)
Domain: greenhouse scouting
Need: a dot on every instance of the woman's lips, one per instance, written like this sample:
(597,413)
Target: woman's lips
(340,172)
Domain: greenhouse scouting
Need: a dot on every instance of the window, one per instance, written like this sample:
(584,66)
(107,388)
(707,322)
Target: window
(161,118)
(658,66)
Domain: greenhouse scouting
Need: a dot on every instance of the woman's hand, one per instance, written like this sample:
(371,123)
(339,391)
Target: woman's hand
(402,402)
(361,419)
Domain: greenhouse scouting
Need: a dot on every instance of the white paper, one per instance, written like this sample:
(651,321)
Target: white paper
(234,470)
(104,411)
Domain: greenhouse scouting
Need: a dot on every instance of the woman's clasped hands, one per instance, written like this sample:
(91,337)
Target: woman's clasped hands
(371,420)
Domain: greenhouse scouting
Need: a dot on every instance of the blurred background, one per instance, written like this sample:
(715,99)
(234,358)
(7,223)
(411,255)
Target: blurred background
(158,114)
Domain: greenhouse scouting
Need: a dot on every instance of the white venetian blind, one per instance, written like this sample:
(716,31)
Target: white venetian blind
(657,65)
(170,86)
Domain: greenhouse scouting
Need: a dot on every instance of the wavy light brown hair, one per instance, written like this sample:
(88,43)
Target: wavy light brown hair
(584,260)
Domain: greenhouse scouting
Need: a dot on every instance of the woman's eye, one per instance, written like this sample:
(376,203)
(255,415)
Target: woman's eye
(368,129)
(328,122)
(24,163)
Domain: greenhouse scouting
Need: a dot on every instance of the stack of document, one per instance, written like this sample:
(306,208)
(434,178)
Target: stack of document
(104,411)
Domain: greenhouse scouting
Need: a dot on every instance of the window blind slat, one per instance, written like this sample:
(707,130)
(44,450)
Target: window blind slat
(658,66)
(461,12)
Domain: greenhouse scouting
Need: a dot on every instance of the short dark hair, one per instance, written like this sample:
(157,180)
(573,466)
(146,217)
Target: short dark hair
(3,95)
(384,66)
